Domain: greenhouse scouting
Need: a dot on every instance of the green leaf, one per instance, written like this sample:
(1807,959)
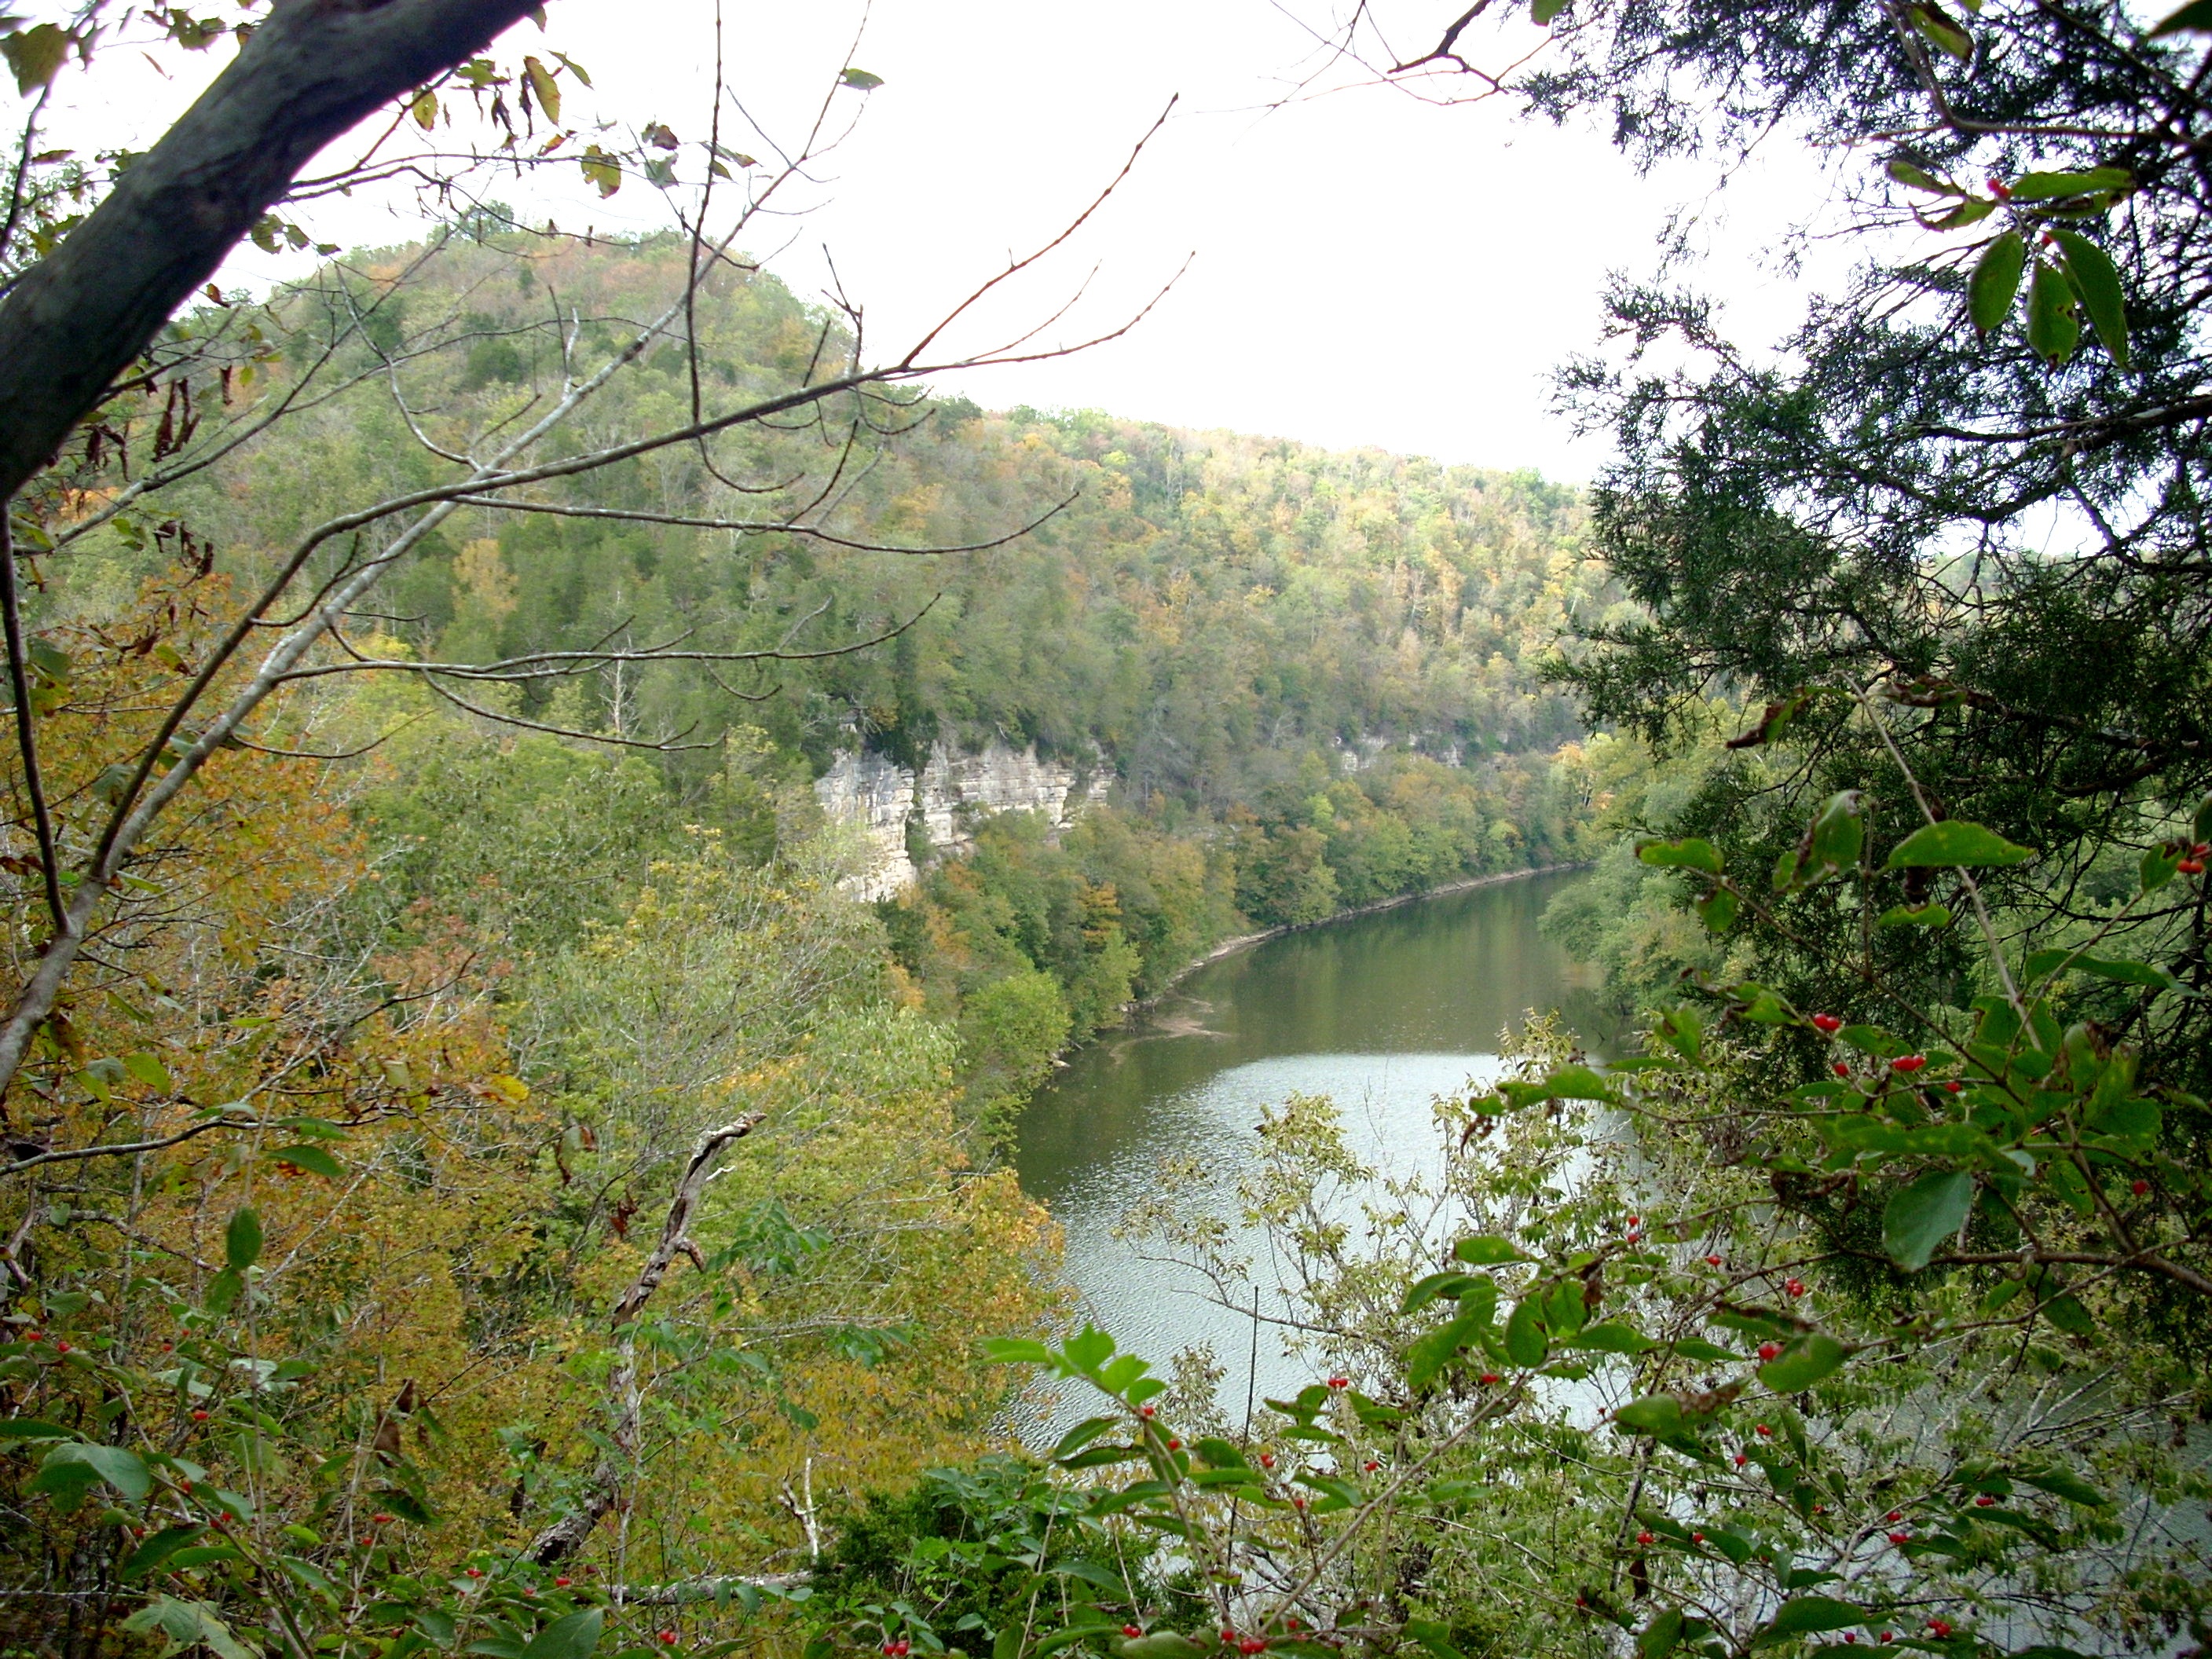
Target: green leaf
(1579,1082)
(2049,186)
(1996,280)
(1541,12)
(571,1636)
(1662,1636)
(148,1070)
(1615,1339)
(31,1428)
(1803,1363)
(188,1624)
(2064,1483)
(1696,1347)
(2052,333)
(861,79)
(1158,1644)
(313,1159)
(1447,1286)
(2195,16)
(1524,1333)
(543,88)
(1717,909)
(121,1468)
(1916,178)
(1830,845)
(1487,1250)
(1906,915)
(2066,1312)
(2096,279)
(1016,1351)
(36,55)
(1081,1436)
(1690,855)
(223,1291)
(159,1548)
(1956,844)
(1919,1218)
(1806,1615)
(1656,1413)
(241,1239)
(2160,866)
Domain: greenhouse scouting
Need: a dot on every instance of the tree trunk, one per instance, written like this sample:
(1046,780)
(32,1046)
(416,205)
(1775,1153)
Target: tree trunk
(316,67)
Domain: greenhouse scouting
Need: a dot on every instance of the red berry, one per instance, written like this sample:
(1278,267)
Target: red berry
(1828,1022)
(1371,1466)
(1765,1431)
(1851,1636)
(1712,1261)
(1895,1516)
(2139,1188)
(1952,1086)
(1636,1221)
(1794,1286)
(1635,1238)
(1942,1627)
(1697,1538)
(1174,1444)
(1842,1069)
(199,1417)
(1740,1460)
(1228,1635)
(1884,1635)
(473,1572)
(34,1336)
(1984,1501)
(61,1347)
(169,1347)
(563,1584)
(1489,1376)
(1770,1350)
(1146,1411)
(1267,1460)
(1908,1063)
(2200,849)
(380,1519)
(1131,1629)
(1251,1644)
(1339,1381)
(1900,1538)
(1298,1502)
(2191,866)
(1643,1537)
(668,1639)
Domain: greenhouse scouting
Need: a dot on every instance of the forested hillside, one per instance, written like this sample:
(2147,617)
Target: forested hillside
(1302,681)
(487,948)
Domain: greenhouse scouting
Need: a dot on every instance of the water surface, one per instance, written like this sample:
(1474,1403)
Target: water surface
(1381,1013)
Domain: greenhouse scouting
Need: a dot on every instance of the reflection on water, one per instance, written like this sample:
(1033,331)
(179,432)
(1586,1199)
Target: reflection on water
(1381,1013)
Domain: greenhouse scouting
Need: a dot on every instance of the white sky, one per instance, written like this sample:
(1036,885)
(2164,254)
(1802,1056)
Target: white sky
(1369,270)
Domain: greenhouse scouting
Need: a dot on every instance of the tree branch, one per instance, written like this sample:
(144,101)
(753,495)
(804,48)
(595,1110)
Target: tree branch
(309,72)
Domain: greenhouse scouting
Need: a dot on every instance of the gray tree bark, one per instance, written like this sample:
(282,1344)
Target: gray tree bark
(313,69)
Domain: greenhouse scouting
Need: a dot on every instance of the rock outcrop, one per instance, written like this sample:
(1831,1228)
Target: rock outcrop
(884,801)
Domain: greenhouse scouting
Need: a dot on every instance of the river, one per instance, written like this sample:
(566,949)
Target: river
(1381,1013)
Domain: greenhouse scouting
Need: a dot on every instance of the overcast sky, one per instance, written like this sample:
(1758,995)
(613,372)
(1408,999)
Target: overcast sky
(1367,270)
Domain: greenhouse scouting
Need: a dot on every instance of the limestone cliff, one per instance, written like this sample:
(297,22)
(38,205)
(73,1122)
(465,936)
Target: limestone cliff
(882,800)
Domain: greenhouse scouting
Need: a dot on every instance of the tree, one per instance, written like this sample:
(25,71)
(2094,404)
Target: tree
(80,315)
